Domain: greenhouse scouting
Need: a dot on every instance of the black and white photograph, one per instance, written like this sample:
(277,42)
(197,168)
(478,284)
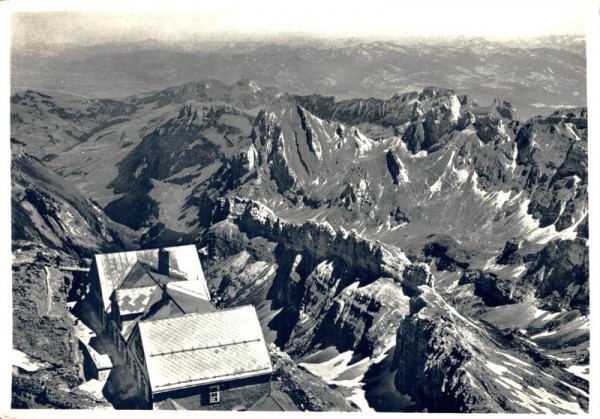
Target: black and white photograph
(298,206)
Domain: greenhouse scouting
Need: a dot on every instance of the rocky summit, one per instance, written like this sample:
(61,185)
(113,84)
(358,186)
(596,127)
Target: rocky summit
(419,253)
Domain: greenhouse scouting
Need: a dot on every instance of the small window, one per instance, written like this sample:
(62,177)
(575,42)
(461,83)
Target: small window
(215,394)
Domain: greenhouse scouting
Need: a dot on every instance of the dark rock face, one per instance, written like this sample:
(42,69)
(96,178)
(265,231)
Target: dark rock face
(394,165)
(487,128)
(505,109)
(510,254)
(583,228)
(493,290)
(400,216)
(425,132)
(360,320)
(135,209)
(269,148)
(446,251)
(555,159)
(559,275)
(466,120)
(418,274)
(429,360)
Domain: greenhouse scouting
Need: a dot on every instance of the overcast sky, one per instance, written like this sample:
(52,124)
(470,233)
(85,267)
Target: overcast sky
(176,21)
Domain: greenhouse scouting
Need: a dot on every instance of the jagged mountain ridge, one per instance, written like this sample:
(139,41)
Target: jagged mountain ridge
(473,165)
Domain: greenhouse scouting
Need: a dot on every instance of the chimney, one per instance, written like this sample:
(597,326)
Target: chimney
(163,262)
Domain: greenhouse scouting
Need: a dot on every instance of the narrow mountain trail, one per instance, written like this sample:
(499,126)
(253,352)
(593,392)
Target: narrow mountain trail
(48,291)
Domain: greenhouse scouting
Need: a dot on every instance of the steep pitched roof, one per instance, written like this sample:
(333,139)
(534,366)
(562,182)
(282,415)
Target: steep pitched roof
(143,275)
(159,302)
(172,307)
(207,348)
(115,268)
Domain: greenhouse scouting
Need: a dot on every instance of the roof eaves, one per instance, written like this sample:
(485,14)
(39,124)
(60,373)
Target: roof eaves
(211,380)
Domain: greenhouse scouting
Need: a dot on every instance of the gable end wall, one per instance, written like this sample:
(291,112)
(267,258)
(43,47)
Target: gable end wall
(244,392)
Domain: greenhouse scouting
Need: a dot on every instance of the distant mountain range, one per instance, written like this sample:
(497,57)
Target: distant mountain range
(535,76)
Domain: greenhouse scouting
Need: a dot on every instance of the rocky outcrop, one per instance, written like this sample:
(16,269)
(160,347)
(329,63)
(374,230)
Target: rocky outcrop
(562,199)
(364,319)
(510,254)
(268,140)
(554,153)
(418,274)
(395,167)
(493,290)
(450,363)
(320,240)
(559,275)
(426,129)
(466,119)
(446,251)
(430,359)
(307,391)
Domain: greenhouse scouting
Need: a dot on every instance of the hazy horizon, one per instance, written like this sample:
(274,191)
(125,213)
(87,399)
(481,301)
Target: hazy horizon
(46,31)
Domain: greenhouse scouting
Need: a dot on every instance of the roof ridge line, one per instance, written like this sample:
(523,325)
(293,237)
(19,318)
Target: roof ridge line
(198,314)
(221,345)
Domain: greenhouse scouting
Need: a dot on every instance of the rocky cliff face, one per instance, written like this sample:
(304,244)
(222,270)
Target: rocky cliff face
(335,283)
(559,276)
(43,332)
(556,148)
(47,210)
(453,364)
